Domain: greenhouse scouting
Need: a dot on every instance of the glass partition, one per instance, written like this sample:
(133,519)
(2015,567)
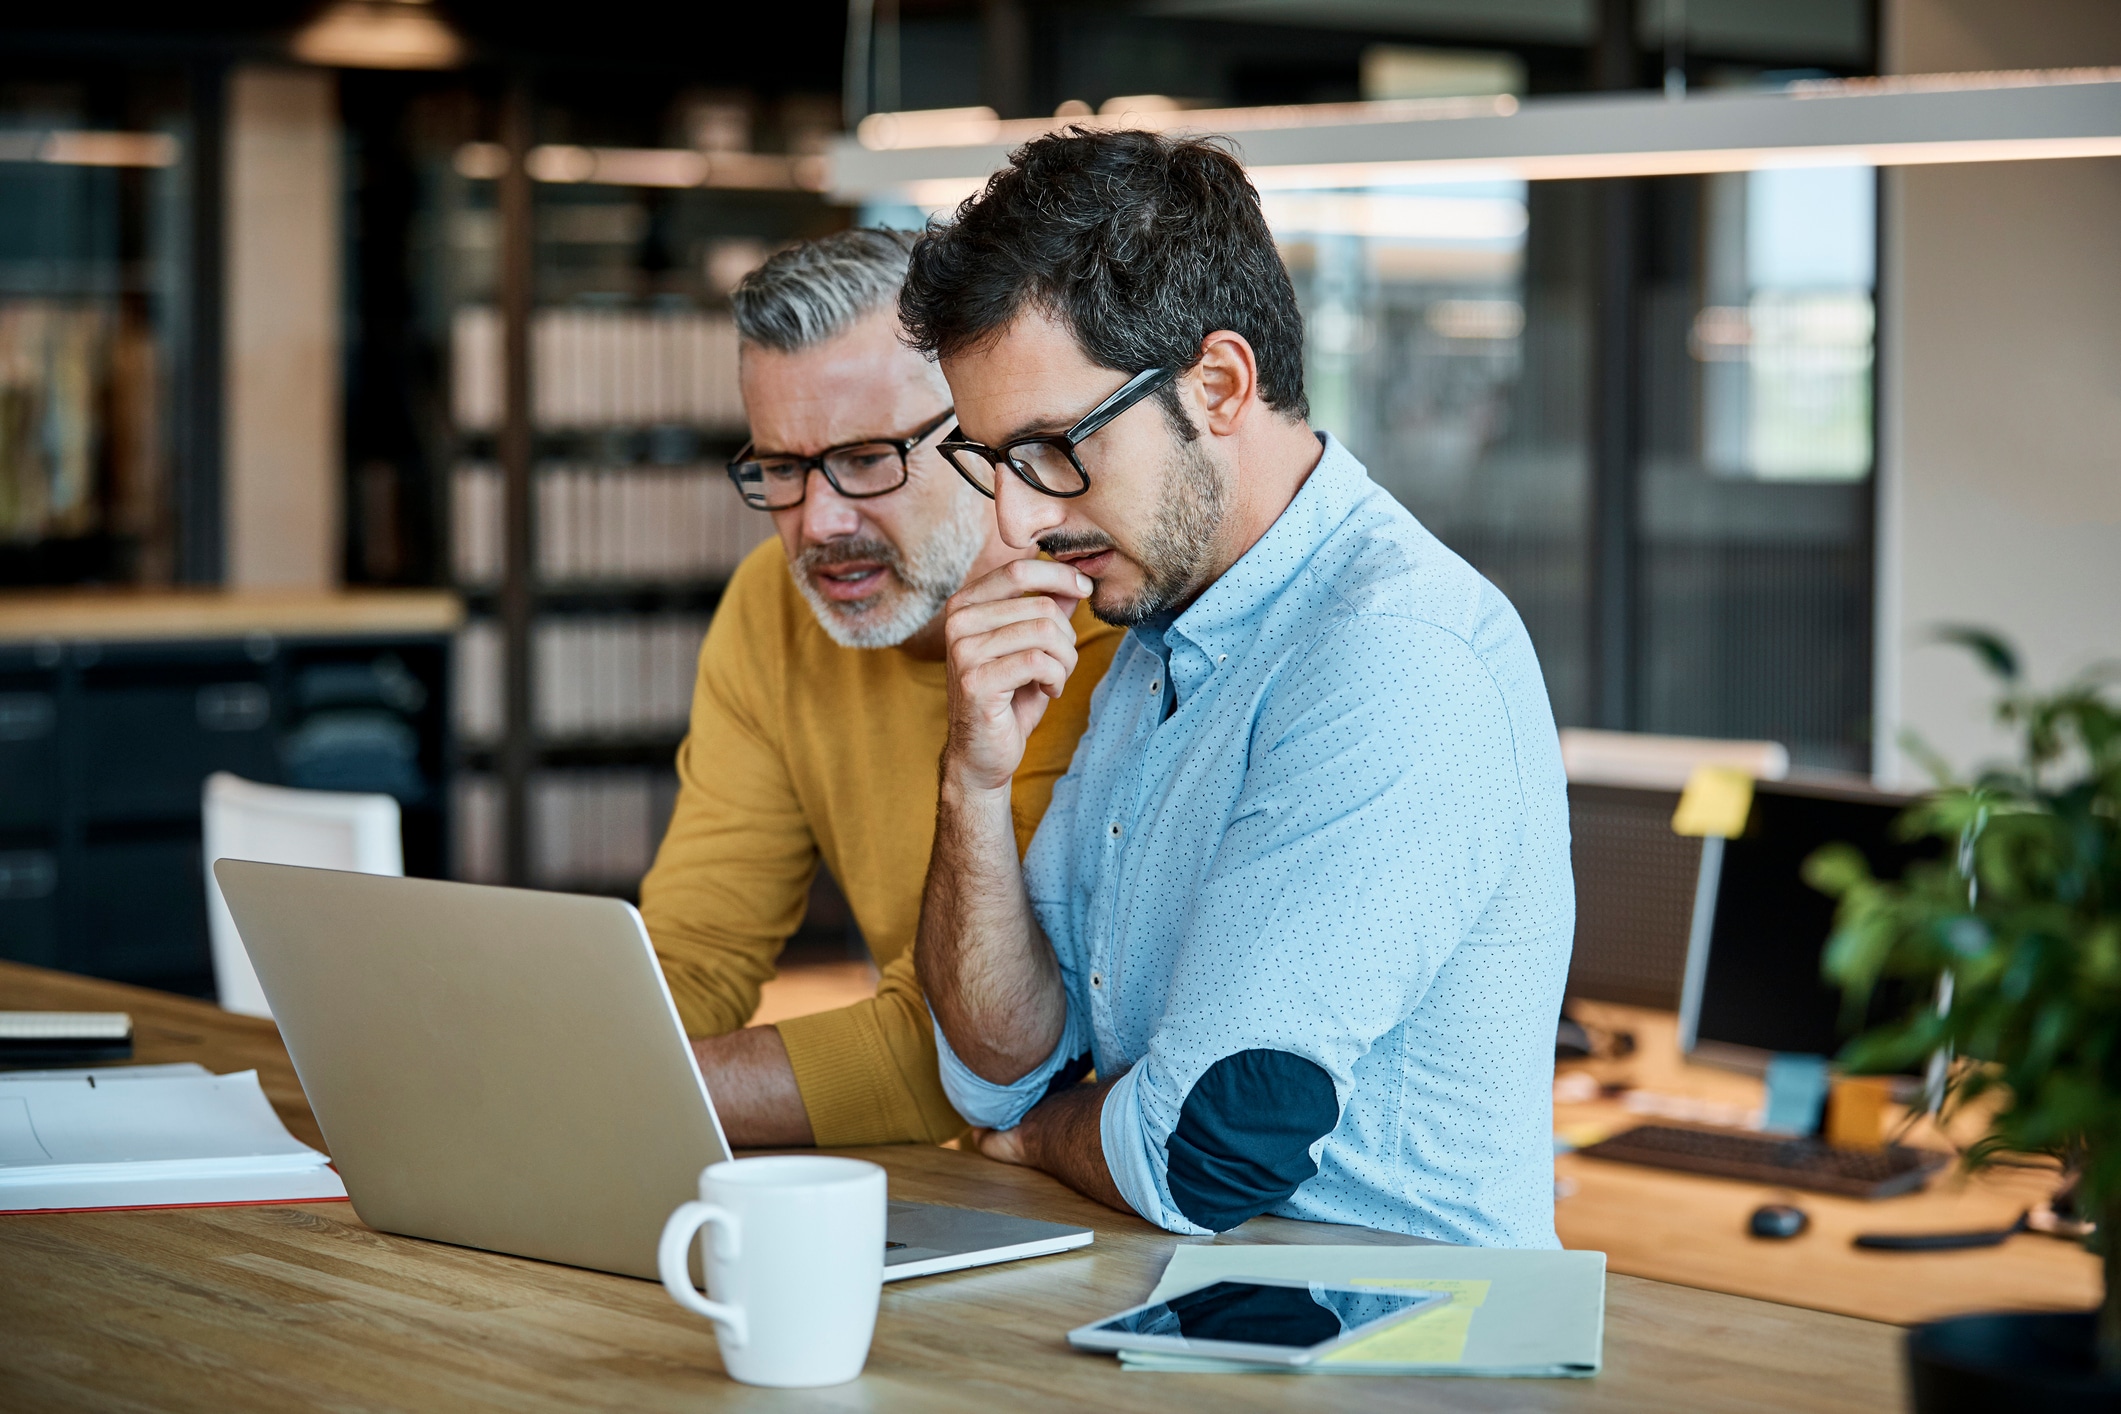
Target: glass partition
(1754,493)
(1450,345)
(1446,336)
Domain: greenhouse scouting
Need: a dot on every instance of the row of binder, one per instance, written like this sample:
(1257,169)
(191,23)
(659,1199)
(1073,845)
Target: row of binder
(595,367)
(609,524)
(589,829)
(593,677)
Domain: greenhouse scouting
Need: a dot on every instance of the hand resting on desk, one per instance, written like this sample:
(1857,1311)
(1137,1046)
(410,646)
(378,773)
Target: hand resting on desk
(1062,1135)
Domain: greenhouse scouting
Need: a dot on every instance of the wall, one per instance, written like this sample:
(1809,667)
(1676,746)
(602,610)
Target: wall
(283,488)
(2000,494)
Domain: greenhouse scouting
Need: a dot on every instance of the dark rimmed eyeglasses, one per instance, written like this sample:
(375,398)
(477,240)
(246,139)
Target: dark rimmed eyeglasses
(1047,463)
(857,470)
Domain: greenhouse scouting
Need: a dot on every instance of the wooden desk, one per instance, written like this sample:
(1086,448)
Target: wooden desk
(302,1306)
(1692,1230)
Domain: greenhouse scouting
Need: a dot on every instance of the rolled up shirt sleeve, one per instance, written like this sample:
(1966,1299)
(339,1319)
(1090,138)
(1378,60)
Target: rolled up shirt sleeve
(992,1106)
(1380,811)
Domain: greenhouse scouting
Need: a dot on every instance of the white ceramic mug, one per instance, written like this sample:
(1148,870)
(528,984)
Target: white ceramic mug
(794,1267)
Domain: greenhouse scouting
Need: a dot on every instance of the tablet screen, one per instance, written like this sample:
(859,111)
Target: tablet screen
(1247,1313)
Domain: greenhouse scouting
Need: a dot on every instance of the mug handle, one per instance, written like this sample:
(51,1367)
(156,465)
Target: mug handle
(672,1260)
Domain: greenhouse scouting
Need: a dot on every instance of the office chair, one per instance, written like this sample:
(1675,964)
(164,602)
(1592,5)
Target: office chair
(1634,877)
(324,829)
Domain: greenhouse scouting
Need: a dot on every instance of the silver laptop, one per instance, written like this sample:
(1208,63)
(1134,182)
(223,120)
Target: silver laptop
(503,1068)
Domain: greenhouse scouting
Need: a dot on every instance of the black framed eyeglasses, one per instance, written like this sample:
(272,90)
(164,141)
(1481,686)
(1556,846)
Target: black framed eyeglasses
(857,470)
(1048,463)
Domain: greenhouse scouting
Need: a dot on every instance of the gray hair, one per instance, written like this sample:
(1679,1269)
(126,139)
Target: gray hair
(813,290)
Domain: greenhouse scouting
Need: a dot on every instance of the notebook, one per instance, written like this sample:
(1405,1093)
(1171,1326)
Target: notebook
(64,1037)
(1536,1314)
(149,1136)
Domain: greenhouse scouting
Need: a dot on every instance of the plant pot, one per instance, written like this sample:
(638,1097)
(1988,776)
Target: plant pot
(2008,1362)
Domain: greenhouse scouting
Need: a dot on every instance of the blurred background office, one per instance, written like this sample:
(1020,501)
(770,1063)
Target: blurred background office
(297,301)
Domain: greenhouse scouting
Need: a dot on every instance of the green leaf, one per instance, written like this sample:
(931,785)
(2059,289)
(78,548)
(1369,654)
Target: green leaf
(2023,912)
(2099,961)
(1835,869)
(1995,654)
(1926,756)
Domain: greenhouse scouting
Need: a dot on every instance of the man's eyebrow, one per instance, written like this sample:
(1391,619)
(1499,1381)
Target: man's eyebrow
(1040,427)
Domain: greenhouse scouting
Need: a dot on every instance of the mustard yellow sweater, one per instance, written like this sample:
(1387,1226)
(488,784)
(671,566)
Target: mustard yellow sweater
(801,750)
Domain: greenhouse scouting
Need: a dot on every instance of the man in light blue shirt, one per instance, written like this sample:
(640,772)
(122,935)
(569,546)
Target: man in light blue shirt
(1303,899)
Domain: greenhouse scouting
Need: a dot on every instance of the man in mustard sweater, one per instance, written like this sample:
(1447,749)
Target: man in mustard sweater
(819,711)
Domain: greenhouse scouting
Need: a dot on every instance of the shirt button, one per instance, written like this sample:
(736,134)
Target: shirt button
(1097,979)
(1115,829)
(1156,687)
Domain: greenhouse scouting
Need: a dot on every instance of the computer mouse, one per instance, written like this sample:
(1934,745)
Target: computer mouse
(1778,1220)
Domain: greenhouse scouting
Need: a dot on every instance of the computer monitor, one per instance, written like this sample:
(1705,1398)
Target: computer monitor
(1753,986)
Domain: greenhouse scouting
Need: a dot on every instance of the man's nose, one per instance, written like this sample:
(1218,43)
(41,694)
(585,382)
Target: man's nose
(1024,514)
(827,515)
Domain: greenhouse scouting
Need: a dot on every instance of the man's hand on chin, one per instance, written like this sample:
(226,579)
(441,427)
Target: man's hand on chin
(1010,646)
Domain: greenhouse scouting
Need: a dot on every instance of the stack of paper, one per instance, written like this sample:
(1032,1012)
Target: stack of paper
(1512,1312)
(149,1136)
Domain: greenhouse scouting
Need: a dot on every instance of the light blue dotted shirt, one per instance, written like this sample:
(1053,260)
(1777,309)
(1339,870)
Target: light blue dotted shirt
(1350,843)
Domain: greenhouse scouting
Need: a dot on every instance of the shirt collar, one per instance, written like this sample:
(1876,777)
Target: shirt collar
(1150,632)
(1225,616)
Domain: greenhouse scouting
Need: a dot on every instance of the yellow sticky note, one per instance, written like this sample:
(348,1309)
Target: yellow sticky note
(1436,1337)
(1716,801)
(1591,1131)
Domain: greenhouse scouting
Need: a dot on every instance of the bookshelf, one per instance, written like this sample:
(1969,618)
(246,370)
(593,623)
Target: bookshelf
(109,285)
(592,401)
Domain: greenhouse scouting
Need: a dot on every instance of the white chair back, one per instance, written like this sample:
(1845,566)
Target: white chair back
(324,829)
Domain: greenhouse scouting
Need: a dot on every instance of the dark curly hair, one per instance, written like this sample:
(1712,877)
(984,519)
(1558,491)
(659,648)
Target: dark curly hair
(1142,244)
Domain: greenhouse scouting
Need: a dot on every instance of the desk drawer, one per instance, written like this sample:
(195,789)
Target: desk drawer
(29,756)
(140,906)
(29,906)
(149,744)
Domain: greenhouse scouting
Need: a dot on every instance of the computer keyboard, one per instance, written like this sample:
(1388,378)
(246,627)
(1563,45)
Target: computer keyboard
(1766,1158)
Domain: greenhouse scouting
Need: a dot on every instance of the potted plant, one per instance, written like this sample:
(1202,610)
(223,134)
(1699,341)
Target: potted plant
(2018,927)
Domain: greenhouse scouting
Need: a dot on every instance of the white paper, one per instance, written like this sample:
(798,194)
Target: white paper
(128,1191)
(106,1139)
(102,1073)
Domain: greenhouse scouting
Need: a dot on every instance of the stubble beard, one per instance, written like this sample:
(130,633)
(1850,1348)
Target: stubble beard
(1179,545)
(915,583)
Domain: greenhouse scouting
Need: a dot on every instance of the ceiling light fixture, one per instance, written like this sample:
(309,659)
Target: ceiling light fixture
(379,34)
(1988,117)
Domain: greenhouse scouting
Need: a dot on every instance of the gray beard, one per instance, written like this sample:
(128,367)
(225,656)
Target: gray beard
(916,584)
(1175,551)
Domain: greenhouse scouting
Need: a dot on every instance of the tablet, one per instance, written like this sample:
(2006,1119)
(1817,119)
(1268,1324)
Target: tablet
(1259,1319)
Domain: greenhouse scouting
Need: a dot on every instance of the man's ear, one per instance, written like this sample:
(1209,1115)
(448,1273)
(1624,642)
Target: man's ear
(1227,378)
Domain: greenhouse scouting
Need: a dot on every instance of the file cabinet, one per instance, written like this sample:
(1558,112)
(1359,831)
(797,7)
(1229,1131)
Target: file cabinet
(114,710)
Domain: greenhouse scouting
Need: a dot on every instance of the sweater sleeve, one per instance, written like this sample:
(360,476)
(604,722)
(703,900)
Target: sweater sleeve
(868,1073)
(731,879)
